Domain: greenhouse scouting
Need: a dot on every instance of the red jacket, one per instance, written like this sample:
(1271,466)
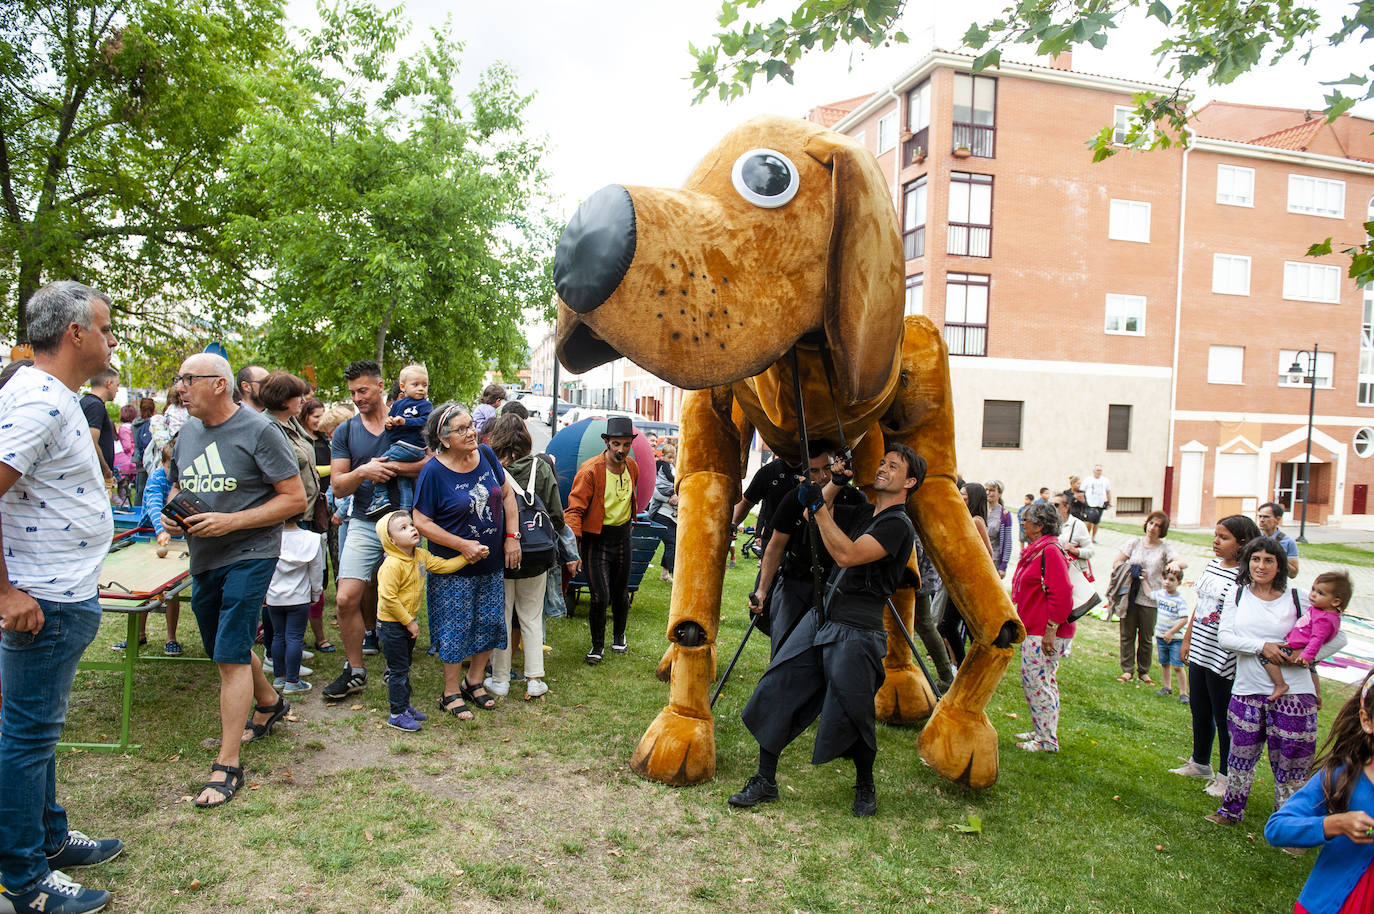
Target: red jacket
(1041,601)
(587,498)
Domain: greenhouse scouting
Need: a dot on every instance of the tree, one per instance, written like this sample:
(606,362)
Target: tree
(1215,40)
(393,224)
(115,116)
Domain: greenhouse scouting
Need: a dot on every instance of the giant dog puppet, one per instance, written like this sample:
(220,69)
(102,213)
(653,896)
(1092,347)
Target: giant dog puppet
(784,237)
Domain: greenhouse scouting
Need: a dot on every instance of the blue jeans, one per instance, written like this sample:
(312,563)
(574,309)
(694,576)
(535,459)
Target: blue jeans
(398,646)
(36,673)
(288,639)
(398,452)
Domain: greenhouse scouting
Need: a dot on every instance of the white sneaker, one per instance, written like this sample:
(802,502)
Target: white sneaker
(496,688)
(1216,787)
(1191,769)
(307,655)
(535,688)
(1025,737)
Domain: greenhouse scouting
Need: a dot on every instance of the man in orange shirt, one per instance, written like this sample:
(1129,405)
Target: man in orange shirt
(601,512)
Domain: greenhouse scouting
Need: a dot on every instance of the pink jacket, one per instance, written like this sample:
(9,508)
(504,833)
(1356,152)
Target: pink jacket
(1315,628)
(1041,601)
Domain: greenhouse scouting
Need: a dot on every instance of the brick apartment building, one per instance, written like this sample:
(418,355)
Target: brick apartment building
(1142,312)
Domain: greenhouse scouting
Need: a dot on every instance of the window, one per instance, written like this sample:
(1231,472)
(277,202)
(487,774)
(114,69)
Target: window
(1230,274)
(1225,364)
(914,219)
(1364,442)
(915,295)
(1311,282)
(1129,221)
(1002,423)
(1119,427)
(1236,474)
(1365,396)
(975,103)
(1125,120)
(918,122)
(887,132)
(1326,366)
(966,313)
(1235,185)
(970,214)
(1316,196)
(1126,315)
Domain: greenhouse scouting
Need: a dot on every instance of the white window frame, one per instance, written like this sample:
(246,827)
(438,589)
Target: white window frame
(1319,282)
(914,295)
(1217,369)
(1311,195)
(1120,309)
(1326,368)
(1364,442)
(887,132)
(1127,218)
(1364,389)
(1119,130)
(1221,265)
(1229,176)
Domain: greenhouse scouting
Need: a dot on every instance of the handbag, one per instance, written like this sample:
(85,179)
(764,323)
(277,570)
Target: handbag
(1085,595)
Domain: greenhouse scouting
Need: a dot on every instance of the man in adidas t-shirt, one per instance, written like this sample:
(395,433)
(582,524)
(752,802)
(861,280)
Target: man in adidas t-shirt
(239,463)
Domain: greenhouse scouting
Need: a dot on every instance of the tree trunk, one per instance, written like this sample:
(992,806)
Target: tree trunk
(381,331)
(30,272)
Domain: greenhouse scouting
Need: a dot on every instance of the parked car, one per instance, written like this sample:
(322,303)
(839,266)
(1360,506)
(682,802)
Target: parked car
(578,413)
(563,407)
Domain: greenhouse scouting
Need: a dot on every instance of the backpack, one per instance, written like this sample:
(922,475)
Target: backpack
(538,542)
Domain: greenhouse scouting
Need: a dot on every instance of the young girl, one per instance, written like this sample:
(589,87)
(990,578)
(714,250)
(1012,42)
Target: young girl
(1335,811)
(1173,615)
(297,582)
(1329,597)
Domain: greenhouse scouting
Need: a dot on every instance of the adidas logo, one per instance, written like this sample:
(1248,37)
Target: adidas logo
(206,473)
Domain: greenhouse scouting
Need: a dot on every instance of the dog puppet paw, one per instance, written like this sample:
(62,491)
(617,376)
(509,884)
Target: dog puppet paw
(677,750)
(905,698)
(960,745)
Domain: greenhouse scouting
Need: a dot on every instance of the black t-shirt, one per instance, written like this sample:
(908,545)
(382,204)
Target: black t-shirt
(790,519)
(862,592)
(774,482)
(97,417)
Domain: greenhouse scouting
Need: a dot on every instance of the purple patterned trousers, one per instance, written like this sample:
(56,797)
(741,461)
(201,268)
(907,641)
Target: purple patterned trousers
(1289,726)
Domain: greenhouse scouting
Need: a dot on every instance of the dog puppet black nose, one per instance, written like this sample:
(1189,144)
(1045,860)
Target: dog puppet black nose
(596,249)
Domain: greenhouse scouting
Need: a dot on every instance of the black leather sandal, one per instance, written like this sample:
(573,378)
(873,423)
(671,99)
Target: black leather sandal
(483,701)
(278,711)
(454,705)
(233,780)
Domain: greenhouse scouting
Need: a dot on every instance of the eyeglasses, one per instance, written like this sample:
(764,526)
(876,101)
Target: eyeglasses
(189,379)
(462,429)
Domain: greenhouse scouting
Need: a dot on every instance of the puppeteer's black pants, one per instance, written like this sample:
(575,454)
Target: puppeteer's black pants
(606,558)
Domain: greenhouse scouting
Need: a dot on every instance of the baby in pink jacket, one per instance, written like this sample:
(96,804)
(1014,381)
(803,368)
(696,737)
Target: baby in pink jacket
(1329,597)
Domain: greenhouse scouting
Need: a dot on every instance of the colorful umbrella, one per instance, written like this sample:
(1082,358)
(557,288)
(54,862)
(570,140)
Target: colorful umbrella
(581,441)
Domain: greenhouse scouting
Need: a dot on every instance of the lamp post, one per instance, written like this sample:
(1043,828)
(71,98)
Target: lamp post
(1295,373)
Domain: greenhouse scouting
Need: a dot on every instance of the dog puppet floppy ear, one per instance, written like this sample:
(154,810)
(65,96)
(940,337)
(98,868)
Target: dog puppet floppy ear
(864,285)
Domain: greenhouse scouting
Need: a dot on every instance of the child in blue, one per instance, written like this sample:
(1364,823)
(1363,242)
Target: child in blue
(405,435)
(1169,623)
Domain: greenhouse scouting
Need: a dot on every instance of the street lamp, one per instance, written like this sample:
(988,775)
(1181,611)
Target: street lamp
(1297,376)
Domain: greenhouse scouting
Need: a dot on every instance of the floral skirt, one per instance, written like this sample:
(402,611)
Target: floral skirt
(467,614)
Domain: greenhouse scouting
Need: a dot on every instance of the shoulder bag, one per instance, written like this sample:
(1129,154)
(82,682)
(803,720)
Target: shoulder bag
(538,542)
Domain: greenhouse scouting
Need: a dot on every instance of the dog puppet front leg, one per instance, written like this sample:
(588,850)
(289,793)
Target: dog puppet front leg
(679,747)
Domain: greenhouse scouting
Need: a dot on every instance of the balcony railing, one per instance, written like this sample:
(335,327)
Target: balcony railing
(967,339)
(919,143)
(914,242)
(979,138)
(969,240)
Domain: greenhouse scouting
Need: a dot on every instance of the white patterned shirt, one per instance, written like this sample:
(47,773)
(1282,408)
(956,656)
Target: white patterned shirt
(56,517)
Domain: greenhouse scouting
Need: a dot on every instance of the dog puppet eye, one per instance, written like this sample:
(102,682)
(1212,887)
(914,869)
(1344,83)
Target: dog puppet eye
(765,178)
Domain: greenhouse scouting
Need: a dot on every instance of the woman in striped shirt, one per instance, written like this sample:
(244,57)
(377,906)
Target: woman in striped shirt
(1210,668)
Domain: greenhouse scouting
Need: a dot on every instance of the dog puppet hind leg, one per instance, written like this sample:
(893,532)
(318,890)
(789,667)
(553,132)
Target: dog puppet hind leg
(679,747)
(905,696)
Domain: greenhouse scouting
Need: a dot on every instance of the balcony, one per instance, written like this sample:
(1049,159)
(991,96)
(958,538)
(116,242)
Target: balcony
(918,144)
(967,339)
(979,139)
(969,240)
(914,243)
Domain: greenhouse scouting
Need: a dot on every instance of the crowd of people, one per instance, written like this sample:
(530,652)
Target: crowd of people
(413,506)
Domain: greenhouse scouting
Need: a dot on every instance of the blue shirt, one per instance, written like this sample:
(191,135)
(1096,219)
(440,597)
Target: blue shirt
(354,443)
(1341,863)
(468,505)
(1289,544)
(416,414)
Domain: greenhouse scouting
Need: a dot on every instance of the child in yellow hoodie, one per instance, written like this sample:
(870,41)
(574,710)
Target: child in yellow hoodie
(398,600)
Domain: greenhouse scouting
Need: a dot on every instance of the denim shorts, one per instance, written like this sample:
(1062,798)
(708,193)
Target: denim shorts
(361,553)
(1170,652)
(227,603)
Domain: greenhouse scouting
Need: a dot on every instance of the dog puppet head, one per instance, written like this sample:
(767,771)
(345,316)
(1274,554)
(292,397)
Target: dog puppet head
(784,229)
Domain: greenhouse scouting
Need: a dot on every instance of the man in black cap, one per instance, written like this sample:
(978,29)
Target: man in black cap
(601,512)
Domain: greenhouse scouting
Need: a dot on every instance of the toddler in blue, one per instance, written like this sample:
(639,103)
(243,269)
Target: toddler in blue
(1169,623)
(405,435)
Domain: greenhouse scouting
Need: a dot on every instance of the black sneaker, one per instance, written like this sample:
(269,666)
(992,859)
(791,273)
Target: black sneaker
(593,656)
(347,684)
(865,801)
(756,790)
(620,647)
(370,646)
(80,850)
(56,894)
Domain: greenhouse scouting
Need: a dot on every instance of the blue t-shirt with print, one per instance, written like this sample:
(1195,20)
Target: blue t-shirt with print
(416,414)
(467,505)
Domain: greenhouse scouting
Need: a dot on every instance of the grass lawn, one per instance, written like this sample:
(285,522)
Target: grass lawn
(532,807)
(1341,553)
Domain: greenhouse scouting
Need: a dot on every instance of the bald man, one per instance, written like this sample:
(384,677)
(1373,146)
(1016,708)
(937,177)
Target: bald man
(236,461)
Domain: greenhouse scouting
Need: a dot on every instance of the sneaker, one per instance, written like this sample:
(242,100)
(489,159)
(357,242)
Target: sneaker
(417,713)
(517,675)
(267,666)
(370,643)
(1191,769)
(279,683)
(296,688)
(1216,787)
(305,670)
(80,850)
(124,645)
(1183,700)
(1025,737)
(865,801)
(347,683)
(535,688)
(620,647)
(403,721)
(56,894)
(307,655)
(756,790)
(1036,746)
(593,657)
(1164,691)
(172,649)
(501,689)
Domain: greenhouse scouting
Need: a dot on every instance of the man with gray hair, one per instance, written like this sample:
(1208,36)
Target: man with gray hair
(239,465)
(56,525)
